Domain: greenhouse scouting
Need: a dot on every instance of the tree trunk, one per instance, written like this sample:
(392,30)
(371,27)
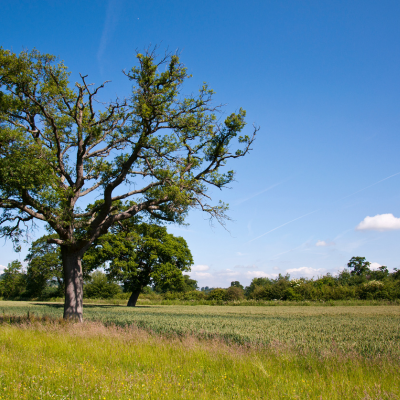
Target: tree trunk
(73,281)
(133,299)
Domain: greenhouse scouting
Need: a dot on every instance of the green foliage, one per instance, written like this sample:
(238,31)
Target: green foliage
(217,294)
(187,295)
(237,284)
(358,282)
(358,266)
(99,287)
(381,274)
(180,284)
(57,145)
(13,282)
(44,265)
(234,293)
(140,254)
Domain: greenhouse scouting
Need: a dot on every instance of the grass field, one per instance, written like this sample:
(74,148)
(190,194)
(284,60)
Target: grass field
(201,352)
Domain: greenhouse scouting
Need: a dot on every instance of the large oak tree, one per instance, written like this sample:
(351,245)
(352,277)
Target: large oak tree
(157,151)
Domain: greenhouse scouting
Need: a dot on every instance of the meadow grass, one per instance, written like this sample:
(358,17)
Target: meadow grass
(51,359)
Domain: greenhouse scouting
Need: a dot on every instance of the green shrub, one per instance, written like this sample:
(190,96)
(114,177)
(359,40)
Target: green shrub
(13,282)
(100,288)
(290,294)
(234,293)
(217,294)
(373,290)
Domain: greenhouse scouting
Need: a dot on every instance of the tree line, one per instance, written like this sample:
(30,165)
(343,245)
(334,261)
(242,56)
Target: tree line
(357,281)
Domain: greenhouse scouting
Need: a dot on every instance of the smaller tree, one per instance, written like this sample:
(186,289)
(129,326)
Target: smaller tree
(234,293)
(140,254)
(358,266)
(13,283)
(44,264)
(380,274)
(236,284)
(206,289)
(181,284)
(256,285)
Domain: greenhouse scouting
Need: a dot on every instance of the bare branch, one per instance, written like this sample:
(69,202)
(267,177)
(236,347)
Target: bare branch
(133,192)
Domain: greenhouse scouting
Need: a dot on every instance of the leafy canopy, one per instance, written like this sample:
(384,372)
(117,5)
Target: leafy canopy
(140,254)
(158,151)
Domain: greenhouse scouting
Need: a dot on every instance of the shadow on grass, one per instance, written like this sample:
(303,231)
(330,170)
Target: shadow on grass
(59,305)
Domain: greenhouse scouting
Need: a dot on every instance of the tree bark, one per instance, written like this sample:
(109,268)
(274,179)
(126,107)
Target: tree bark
(73,281)
(133,299)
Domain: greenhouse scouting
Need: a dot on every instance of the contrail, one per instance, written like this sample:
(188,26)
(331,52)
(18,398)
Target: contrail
(280,226)
(312,212)
(358,191)
(262,191)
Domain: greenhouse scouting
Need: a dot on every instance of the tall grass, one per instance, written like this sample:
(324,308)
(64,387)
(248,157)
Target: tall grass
(50,359)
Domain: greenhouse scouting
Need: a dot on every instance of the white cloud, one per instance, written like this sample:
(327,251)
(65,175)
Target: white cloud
(375,266)
(228,272)
(381,222)
(245,266)
(259,274)
(2,268)
(197,268)
(201,275)
(304,271)
(198,272)
(322,243)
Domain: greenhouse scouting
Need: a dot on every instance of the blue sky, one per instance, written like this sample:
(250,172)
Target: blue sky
(320,78)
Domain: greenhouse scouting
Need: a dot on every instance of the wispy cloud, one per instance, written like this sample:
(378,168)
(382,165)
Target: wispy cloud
(201,275)
(304,271)
(197,268)
(259,274)
(381,222)
(322,243)
(343,233)
(245,266)
(114,8)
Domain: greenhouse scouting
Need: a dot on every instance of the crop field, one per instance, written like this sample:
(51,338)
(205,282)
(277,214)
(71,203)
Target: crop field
(201,352)
(367,331)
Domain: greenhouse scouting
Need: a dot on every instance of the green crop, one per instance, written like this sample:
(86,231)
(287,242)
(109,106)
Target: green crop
(366,331)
